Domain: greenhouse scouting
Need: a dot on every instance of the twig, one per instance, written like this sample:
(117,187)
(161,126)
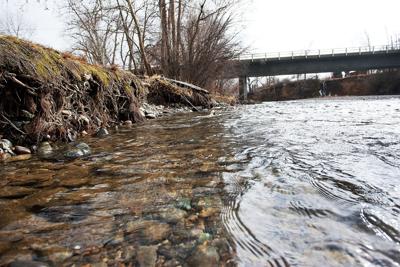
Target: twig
(13,125)
(187,100)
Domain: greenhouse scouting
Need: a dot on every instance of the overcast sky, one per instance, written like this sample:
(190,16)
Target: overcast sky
(267,25)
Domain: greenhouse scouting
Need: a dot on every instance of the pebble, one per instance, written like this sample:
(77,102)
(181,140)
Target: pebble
(204,237)
(5,142)
(204,255)
(172,215)
(152,231)
(184,204)
(127,123)
(6,146)
(45,149)
(151,116)
(79,150)
(20,150)
(147,256)
(102,132)
(208,212)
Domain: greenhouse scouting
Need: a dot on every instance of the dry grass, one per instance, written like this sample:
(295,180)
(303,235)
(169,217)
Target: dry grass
(47,93)
(44,92)
(162,92)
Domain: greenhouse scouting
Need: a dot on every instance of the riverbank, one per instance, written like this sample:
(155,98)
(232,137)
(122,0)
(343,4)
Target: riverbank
(49,96)
(385,83)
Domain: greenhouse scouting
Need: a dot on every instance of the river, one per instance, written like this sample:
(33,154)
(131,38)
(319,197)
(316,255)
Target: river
(298,183)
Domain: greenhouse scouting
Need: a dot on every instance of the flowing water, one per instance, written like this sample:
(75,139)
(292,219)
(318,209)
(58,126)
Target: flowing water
(298,183)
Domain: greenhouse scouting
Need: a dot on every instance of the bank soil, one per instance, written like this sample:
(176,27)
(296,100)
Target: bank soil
(54,96)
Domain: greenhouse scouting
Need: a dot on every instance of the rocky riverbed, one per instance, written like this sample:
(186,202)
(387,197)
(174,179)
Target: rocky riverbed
(61,151)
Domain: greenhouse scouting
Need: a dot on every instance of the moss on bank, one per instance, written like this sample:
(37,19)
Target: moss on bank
(47,94)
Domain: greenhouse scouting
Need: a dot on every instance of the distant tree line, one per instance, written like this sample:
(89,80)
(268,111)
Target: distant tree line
(190,40)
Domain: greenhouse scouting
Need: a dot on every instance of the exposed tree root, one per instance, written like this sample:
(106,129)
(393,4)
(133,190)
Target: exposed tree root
(48,94)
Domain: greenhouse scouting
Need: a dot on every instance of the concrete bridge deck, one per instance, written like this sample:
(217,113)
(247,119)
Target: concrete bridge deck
(312,61)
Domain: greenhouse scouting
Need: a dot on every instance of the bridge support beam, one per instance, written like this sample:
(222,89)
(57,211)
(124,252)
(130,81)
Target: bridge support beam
(243,88)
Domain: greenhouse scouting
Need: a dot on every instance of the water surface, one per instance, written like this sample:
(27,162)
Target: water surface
(297,183)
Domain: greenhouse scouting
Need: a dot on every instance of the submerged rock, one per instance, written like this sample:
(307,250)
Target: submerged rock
(204,237)
(45,149)
(204,255)
(172,215)
(20,150)
(147,256)
(5,143)
(6,146)
(184,204)
(102,132)
(79,150)
(208,212)
(151,116)
(150,231)
(127,123)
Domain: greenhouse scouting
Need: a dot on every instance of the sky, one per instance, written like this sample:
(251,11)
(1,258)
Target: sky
(265,25)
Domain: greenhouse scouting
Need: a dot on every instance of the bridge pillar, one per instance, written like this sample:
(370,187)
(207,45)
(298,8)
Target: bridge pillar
(243,88)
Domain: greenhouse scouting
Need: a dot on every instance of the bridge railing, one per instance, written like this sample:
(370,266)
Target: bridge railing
(312,53)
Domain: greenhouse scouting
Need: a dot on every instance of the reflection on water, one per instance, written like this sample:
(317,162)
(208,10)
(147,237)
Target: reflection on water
(299,183)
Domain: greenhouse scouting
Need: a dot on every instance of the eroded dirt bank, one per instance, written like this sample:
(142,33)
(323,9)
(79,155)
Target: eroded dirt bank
(46,95)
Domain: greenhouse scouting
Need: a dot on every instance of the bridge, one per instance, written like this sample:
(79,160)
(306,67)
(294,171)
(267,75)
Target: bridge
(312,61)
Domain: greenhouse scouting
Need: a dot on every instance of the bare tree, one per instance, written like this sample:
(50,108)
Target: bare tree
(186,39)
(92,27)
(196,44)
(15,24)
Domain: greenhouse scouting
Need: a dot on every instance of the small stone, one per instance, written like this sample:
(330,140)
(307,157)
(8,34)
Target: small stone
(204,255)
(193,218)
(5,142)
(102,132)
(172,215)
(204,237)
(20,150)
(151,231)
(79,150)
(208,212)
(84,133)
(151,116)
(60,256)
(45,149)
(184,204)
(84,147)
(74,153)
(147,256)
(127,123)
(6,146)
